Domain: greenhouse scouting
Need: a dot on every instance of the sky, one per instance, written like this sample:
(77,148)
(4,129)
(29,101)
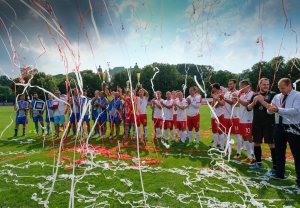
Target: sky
(57,36)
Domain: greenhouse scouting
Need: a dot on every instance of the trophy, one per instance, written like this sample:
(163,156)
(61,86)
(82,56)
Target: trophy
(138,75)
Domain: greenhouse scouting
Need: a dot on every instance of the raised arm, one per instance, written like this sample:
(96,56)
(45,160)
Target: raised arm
(146,92)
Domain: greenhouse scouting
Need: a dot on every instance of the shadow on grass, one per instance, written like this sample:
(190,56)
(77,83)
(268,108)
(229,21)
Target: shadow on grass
(21,143)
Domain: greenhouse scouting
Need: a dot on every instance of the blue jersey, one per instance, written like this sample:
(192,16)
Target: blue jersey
(35,113)
(75,103)
(102,110)
(49,110)
(104,102)
(109,106)
(85,101)
(94,108)
(116,108)
(21,112)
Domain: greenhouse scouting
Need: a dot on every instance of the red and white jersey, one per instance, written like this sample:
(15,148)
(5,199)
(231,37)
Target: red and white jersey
(195,105)
(228,108)
(157,111)
(246,116)
(168,112)
(142,105)
(175,110)
(181,114)
(218,110)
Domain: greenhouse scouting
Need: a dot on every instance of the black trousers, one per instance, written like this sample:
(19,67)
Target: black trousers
(282,137)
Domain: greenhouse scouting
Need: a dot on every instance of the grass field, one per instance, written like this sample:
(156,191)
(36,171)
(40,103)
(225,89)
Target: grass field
(183,178)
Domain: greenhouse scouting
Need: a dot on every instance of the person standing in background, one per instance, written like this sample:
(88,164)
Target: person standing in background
(49,113)
(59,108)
(193,115)
(231,115)
(246,117)
(37,114)
(263,123)
(286,105)
(21,109)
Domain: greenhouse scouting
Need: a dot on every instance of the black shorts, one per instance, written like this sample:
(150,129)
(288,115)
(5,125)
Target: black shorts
(263,133)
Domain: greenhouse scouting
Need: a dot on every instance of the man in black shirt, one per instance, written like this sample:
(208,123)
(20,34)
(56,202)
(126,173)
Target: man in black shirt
(263,123)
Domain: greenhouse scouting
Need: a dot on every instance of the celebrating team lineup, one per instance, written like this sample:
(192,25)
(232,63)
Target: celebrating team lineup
(243,114)
(149,104)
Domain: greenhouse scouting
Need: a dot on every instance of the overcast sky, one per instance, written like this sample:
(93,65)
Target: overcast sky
(51,36)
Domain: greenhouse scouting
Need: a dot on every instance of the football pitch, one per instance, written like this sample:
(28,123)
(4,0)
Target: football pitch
(106,174)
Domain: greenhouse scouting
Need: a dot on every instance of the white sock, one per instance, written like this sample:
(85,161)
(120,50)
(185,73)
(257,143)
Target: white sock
(248,149)
(215,137)
(165,133)
(184,134)
(221,141)
(197,136)
(176,131)
(157,132)
(252,148)
(238,143)
(138,132)
(229,149)
(190,136)
(146,132)
(181,136)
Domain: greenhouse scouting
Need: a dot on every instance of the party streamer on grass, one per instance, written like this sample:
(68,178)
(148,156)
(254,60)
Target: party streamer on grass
(194,195)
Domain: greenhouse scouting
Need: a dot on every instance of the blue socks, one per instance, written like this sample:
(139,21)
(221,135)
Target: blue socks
(43,129)
(37,128)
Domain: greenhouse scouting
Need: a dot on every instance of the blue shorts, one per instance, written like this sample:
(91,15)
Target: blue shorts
(73,119)
(49,120)
(94,115)
(21,120)
(117,120)
(86,118)
(59,119)
(102,119)
(37,119)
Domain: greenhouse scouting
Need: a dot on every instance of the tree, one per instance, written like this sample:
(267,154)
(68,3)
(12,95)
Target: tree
(39,79)
(278,67)
(91,82)
(293,70)
(6,94)
(222,77)
(5,81)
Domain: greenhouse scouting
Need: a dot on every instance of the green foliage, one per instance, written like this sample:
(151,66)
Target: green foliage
(6,94)
(91,81)
(170,77)
(6,90)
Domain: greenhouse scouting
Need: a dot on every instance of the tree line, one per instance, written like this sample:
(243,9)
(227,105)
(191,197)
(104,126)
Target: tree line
(170,77)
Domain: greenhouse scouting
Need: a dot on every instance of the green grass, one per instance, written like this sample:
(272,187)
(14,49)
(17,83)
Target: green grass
(183,178)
